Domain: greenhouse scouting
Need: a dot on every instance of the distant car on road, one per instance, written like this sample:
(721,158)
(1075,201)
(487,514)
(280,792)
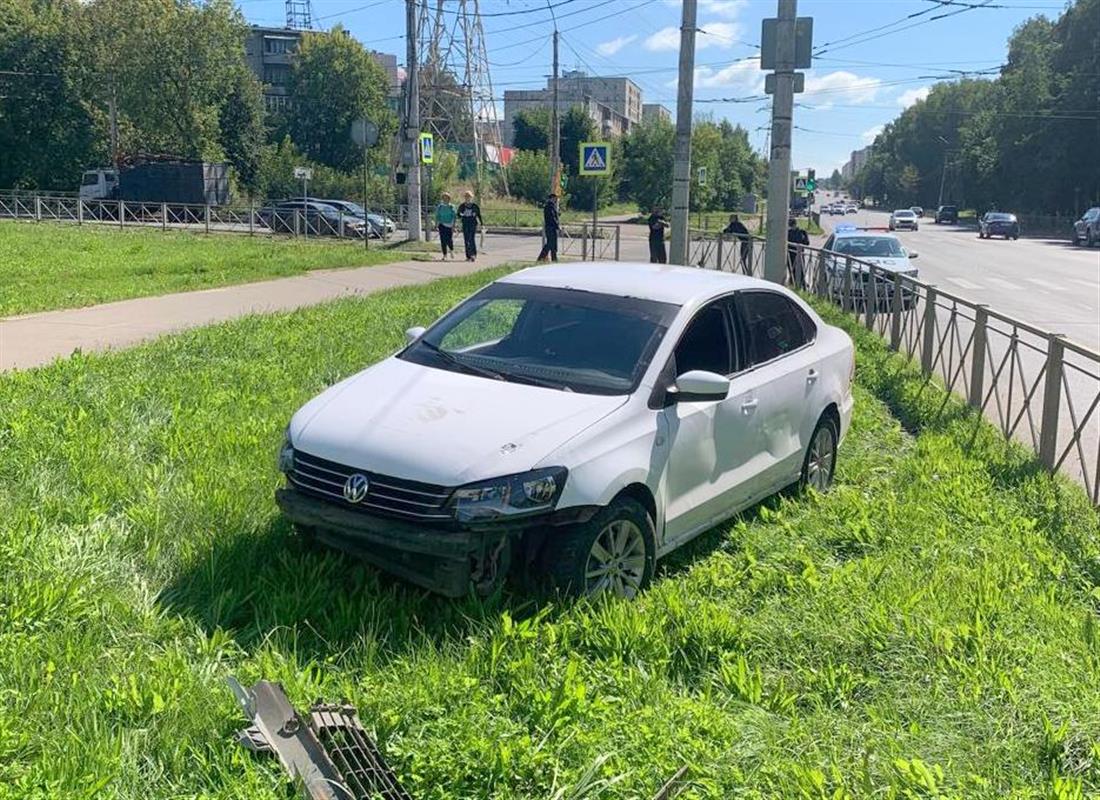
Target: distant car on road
(947,215)
(998,223)
(877,247)
(903,219)
(851,208)
(1086,230)
(577,421)
(311,218)
(380,225)
(918,211)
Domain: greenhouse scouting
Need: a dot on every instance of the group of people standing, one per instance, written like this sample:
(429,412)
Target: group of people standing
(469,214)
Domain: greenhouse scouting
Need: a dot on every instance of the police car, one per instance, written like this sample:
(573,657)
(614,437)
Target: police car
(868,245)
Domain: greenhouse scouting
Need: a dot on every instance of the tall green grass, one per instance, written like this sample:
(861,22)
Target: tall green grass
(928,629)
(48,266)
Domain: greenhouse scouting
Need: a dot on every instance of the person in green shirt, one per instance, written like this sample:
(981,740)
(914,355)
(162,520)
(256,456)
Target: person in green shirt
(445,215)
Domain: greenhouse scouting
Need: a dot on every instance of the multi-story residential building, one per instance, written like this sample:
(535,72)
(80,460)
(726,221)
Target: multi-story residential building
(855,163)
(614,104)
(655,111)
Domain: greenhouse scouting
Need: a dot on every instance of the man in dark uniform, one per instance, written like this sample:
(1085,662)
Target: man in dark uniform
(737,229)
(795,236)
(469,213)
(550,228)
(657,224)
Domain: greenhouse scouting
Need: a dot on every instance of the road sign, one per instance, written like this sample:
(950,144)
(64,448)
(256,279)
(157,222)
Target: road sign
(595,158)
(702,176)
(799,83)
(803,42)
(427,148)
(303,173)
(364,132)
(799,184)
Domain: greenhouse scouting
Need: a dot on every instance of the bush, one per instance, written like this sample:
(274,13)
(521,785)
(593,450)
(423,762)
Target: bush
(529,175)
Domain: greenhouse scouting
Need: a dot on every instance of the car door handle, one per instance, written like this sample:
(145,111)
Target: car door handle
(749,406)
(811,376)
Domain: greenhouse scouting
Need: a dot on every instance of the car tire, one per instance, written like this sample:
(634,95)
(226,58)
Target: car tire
(819,463)
(594,557)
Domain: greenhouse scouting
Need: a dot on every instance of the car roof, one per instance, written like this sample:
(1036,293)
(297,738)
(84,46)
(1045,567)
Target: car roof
(903,211)
(660,282)
(845,232)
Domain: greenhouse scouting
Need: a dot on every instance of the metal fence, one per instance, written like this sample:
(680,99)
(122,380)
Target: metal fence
(1037,387)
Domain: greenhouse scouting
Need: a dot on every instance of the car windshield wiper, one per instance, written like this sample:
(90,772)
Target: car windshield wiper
(519,377)
(451,358)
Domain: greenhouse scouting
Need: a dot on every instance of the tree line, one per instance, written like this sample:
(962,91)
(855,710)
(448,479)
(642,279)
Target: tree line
(1025,141)
(177,76)
(641,162)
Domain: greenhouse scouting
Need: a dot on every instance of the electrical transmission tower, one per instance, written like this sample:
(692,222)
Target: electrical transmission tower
(299,15)
(456,91)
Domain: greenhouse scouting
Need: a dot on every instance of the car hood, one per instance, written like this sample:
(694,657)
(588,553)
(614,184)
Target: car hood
(433,425)
(902,266)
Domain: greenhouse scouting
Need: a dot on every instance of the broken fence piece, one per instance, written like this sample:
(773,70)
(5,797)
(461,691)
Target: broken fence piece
(331,753)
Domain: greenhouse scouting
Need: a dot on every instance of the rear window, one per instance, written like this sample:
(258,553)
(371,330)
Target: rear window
(1002,217)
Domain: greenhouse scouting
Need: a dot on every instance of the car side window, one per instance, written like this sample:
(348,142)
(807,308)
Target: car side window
(774,325)
(706,343)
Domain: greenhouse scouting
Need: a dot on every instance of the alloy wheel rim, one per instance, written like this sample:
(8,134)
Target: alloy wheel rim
(819,470)
(616,561)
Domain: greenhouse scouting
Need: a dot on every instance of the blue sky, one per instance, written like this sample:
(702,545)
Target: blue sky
(880,59)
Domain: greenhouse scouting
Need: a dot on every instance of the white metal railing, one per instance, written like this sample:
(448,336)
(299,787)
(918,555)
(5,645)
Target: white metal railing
(1037,387)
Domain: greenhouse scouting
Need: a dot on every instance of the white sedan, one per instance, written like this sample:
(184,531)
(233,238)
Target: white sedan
(903,219)
(574,421)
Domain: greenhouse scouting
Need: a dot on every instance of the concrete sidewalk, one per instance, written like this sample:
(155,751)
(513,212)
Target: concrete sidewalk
(36,339)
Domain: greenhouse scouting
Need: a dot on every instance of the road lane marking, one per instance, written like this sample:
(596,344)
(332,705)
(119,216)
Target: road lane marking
(1041,282)
(964,283)
(1005,284)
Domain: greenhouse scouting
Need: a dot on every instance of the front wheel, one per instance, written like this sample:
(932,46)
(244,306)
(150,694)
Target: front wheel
(820,461)
(614,552)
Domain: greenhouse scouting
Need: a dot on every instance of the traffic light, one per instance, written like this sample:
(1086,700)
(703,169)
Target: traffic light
(811,181)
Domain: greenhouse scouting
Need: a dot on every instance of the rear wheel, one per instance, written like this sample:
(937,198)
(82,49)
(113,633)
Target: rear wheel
(820,461)
(613,552)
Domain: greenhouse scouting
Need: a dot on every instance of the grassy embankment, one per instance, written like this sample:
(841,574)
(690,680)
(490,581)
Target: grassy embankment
(928,629)
(48,266)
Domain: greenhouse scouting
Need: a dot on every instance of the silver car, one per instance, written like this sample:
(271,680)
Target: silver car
(1086,230)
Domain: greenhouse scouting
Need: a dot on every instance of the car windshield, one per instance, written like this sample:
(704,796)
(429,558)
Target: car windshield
(992,217)
(348,207)
(904,213)
(869,247)
(560,338)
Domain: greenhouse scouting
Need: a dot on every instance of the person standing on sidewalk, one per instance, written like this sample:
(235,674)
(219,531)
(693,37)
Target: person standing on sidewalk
(737,229)
(445,224)
(795,236)
(657,225)
(550,227)
(470,214)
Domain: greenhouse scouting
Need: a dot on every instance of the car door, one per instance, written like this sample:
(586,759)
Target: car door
(784,366)
(710,443)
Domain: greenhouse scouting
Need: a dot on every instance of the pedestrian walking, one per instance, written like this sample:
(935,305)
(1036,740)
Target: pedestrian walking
(657,224)
(550,226)
(445,223)
(796,236)
(470,214)
(737,229)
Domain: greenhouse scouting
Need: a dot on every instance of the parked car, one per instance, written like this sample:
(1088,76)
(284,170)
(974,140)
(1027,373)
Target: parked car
(312,218)
(903,219)
(918,211)
(1086,230)
(998,223)
(577,420)
(381,226)
(851,208)
(947,214)
(868,247)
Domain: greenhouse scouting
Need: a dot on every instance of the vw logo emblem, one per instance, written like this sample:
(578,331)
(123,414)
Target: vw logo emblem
(355,487)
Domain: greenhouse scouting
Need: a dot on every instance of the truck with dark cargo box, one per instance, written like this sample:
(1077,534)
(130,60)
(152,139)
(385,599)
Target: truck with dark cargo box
(175,181)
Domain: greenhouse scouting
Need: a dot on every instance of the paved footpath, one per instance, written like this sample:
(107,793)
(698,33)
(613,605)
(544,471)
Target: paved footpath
(35,339)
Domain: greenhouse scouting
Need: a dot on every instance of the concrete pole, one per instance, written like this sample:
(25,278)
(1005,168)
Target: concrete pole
(412,119)
(681,165)
(555,121)
(779,168)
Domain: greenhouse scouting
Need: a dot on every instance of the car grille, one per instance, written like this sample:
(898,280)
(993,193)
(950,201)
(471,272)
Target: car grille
(386,495)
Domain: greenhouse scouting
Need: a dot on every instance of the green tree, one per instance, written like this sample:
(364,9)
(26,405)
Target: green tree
(531,129)
(242,133)
(529,175)
(646,170)
(334,81)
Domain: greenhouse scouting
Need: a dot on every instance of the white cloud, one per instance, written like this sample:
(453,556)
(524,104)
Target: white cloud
(744,75)
(711,34)
(719,8)
(906,99)
(613,46)
(840,87)
(870,134)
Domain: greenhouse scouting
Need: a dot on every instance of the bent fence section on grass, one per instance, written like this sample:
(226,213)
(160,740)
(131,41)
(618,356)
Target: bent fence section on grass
(1036,386)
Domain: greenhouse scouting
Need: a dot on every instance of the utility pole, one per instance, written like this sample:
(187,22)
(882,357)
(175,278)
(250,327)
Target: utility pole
(113,109)
(555,123)
(412,120)
(779,167)
(681,165)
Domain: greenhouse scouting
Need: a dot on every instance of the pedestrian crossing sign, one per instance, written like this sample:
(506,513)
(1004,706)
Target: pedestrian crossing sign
(595,158)
(427,148)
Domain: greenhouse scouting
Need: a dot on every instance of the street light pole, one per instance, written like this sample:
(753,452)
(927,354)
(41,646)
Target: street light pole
(681,166)
(555,123)
(412,120)
(779,168)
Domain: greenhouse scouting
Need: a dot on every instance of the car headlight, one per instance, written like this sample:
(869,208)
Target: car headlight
(286,455)
(509,496)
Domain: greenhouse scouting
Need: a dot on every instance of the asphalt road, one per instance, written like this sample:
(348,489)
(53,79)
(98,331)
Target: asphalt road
(1045,282)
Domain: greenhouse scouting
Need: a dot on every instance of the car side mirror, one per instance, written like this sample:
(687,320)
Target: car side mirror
(914,255)
(412,334)
(700,386)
